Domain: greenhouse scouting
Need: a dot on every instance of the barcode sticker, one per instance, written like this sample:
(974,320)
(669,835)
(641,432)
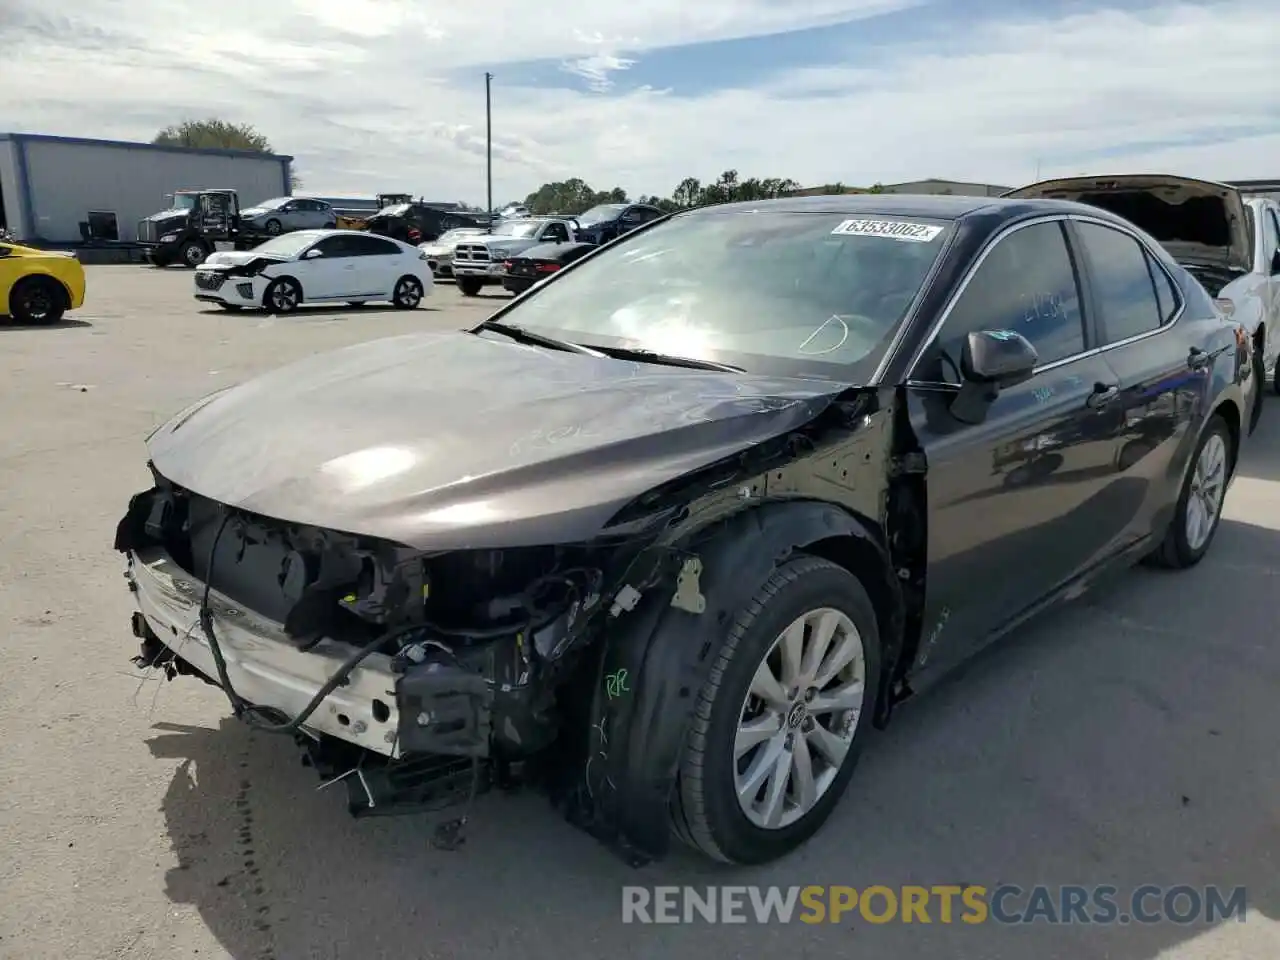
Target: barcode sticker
(889,229)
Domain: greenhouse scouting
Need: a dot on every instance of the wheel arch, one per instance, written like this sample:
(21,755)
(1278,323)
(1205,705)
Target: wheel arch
(1230,413)
(664,654)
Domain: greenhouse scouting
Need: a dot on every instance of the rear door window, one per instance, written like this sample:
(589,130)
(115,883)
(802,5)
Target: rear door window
(1124,279)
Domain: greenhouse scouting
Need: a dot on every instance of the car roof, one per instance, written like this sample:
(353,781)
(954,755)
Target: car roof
(933,206)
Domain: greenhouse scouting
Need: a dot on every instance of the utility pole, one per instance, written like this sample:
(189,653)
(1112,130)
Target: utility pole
(488,140)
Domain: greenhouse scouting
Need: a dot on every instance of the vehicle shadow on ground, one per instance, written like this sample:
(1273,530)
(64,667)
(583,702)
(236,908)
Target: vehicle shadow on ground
(1127,740)
(1261,460)
(304,312)
(8,325)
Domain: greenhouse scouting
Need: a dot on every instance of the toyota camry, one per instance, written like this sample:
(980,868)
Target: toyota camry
(670,533)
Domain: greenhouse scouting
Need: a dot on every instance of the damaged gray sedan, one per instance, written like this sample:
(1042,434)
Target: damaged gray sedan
(669,534)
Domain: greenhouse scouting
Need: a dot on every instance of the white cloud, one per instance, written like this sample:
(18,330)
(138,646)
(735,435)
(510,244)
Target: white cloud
(596,69)
(357,90)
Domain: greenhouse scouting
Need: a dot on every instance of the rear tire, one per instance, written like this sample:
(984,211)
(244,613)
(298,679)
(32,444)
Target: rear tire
(470,286)
(408,293)
(37,301)
(1204,490)
(282,296)
(811,761)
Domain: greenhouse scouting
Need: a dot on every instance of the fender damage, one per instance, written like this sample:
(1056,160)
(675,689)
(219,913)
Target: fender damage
(573,665)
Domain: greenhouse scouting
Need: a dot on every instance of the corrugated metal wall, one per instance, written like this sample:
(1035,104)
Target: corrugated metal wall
(10,193)
(68,179)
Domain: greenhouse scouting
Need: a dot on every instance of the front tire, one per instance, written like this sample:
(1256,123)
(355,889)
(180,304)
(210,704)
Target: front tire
(37,301)
(273,228)
(282,296)
(1199,509)
(780,721)
(469,286)
(192,253)
(407,294)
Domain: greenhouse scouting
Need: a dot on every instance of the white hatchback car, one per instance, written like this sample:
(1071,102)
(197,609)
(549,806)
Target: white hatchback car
(315,266)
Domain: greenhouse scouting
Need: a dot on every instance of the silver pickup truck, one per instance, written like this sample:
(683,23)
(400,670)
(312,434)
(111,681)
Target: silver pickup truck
(478,261)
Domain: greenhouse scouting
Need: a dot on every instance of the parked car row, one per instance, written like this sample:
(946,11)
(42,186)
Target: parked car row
(677,526)
(477,258)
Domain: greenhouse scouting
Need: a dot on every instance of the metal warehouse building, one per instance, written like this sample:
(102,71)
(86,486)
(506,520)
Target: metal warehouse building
(50,186)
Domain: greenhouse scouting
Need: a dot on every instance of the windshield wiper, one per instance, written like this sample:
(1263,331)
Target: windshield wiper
(649,356)
(521,335)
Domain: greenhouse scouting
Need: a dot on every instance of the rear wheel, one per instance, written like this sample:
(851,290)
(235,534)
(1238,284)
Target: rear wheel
(193,253)
(1199,507)
(469,286)
(408,293)
(780,721)
(282,296)
(37,301)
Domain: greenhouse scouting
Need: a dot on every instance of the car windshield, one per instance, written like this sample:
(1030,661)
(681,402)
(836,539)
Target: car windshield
(289,244)
(606,211)
(395,210)
(273,204)
(517,228)
(184,201)
(780,293)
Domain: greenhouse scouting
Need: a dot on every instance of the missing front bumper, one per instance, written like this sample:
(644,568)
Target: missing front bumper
(263,665)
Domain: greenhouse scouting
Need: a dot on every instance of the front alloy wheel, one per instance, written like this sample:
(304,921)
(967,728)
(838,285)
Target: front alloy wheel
(283,296)
(779,723)
(796,723)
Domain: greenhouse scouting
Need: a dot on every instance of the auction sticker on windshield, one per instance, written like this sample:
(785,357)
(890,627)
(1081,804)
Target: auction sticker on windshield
(889,229)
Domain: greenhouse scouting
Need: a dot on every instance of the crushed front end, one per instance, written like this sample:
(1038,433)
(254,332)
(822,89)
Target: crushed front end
(416,678)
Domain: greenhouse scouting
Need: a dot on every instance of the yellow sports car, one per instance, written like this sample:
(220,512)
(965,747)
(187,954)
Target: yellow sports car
(38,286)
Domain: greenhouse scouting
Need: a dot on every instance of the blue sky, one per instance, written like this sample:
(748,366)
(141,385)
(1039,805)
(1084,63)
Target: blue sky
(372,95)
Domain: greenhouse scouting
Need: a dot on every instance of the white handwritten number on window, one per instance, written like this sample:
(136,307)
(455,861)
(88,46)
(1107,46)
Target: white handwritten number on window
(1041,306)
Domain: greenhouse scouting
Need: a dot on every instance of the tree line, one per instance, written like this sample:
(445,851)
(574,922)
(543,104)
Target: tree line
(573,196)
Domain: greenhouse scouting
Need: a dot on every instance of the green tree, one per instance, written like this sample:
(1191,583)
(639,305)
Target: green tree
(219,135)
(570,197)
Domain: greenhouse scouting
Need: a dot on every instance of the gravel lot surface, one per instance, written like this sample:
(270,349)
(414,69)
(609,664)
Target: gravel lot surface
(1128,739)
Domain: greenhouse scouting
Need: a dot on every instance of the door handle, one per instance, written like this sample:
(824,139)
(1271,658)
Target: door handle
(1198,359)
(1102,395)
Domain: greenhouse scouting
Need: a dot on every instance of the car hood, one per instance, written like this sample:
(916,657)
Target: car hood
(174,214)
(552,251)
(452,440)
(1199,222)
(236,258)
(254,211)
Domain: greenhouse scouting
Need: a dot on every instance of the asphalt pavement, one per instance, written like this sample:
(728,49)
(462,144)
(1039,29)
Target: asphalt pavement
(1128,739)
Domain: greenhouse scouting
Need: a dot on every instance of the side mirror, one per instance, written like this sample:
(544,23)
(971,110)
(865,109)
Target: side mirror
(312,254)
(1002,358)
(991,361)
